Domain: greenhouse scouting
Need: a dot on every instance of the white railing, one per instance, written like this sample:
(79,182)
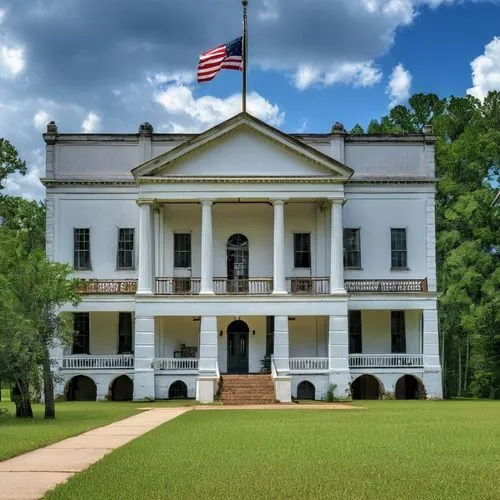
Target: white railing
(103,362)
(274,373)
(251,286)
(176,364)
(308,364)
(385,360)
(178,286)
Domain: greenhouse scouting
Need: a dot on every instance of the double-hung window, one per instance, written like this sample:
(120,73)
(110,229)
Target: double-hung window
(125,258)
(81,333)
(182,250)
(81,249)
(399,254)
(125,333)
(302,250)
(352,249)
(355,337)
(398,332)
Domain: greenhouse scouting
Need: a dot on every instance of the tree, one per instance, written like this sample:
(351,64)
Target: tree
(357,129)
(9,161)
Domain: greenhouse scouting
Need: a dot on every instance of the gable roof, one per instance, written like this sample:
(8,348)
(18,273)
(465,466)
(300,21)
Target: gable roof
(241,120)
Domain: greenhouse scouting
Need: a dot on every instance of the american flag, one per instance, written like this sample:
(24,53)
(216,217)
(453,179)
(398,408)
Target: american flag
(228,56)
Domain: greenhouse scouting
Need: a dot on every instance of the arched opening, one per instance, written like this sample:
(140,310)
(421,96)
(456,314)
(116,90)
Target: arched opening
(237,347)
(178,390)
(366,387)
(409,387)
(306,390)
(122,389)
(81,388)
(237,264)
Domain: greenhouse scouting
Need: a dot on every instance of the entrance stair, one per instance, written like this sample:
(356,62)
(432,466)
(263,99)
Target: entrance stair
(246,389)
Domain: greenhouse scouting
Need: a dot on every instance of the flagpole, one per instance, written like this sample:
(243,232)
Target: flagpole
(244,49)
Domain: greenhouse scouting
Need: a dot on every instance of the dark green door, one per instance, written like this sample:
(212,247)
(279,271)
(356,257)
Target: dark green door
(237,347)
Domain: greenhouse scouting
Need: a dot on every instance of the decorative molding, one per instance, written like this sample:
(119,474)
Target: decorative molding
(240,180)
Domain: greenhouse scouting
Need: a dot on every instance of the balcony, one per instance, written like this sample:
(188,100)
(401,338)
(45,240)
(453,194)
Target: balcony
(309,365)
(251,286)
(102,362)
(386,361)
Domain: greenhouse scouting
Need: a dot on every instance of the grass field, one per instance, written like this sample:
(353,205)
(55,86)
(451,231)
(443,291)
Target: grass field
(21,435)
(394,450)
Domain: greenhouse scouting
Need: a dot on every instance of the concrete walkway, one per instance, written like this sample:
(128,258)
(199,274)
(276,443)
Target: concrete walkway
(31,475)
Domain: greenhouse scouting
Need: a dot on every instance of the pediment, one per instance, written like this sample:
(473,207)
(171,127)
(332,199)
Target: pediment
(243,146)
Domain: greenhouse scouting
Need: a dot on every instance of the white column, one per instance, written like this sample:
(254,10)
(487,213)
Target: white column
(156,239)
(281,356)
(432,366)
(207,280)
(279,286)
(145,282)
(144,352)
(336,249)
(206,382)
(338,354)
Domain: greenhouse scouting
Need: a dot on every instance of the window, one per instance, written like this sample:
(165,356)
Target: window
(81,256)
(398,249)
(182,250)
(398,332)
(302,250)
(269,335)
(352,249)
(125,257)
(355,342)
(125,333)
(81,334)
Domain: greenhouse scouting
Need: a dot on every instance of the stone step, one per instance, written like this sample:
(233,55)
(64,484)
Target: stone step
(246,389)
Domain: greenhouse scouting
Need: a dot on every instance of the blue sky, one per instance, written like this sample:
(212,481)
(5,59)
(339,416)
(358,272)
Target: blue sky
(106,66)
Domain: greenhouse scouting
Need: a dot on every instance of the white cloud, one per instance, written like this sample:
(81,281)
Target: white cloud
(269,13)
(41,119)
(2,15)
(91,124)
(363,74)
(177,77)
(11,61)
(28,186)
(399,85)
(191,114)
(486,70)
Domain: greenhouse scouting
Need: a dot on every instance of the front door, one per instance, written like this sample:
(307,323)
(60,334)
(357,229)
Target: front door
(237,347)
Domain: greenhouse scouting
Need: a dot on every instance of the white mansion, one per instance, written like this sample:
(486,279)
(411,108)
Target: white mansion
(244,250)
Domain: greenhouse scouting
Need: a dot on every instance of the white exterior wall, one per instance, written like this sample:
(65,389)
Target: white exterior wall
(172,331)
(308,336)
(103,333)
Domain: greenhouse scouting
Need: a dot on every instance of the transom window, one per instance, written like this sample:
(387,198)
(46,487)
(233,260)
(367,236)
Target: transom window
(125,257)
(81,246)
(81,333)
(125,333)
(302,250)
(355,336)
(398,332)
(399,258)
(352,248)
(182,250)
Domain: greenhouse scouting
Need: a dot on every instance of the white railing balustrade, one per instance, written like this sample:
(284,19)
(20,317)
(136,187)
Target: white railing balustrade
(308,364)
(175,364)
(102,362)
(385,360)
(178,286)
(251,286)
(308,286)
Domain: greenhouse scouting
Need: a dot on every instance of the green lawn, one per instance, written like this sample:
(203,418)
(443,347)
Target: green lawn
(395,450)
(21,435)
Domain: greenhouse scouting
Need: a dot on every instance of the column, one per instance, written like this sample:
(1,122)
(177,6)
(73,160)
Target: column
(145,282)
(144,351)
(206,382)
(158,240)
(279,286)
(337,249)
(207,263)
(281,356)
(338,354)
(432,366)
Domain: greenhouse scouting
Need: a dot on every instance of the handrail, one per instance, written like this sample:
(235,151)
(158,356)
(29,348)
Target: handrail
(386,286)
(385,360)
(97,362)
(175,364)
(274,373)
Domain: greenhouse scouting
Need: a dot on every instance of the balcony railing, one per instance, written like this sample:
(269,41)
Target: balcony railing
(102,362)
(308,365)
(386,286)
(251,286)
(385,360)
(176,364)
(102,287)
(178,286)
